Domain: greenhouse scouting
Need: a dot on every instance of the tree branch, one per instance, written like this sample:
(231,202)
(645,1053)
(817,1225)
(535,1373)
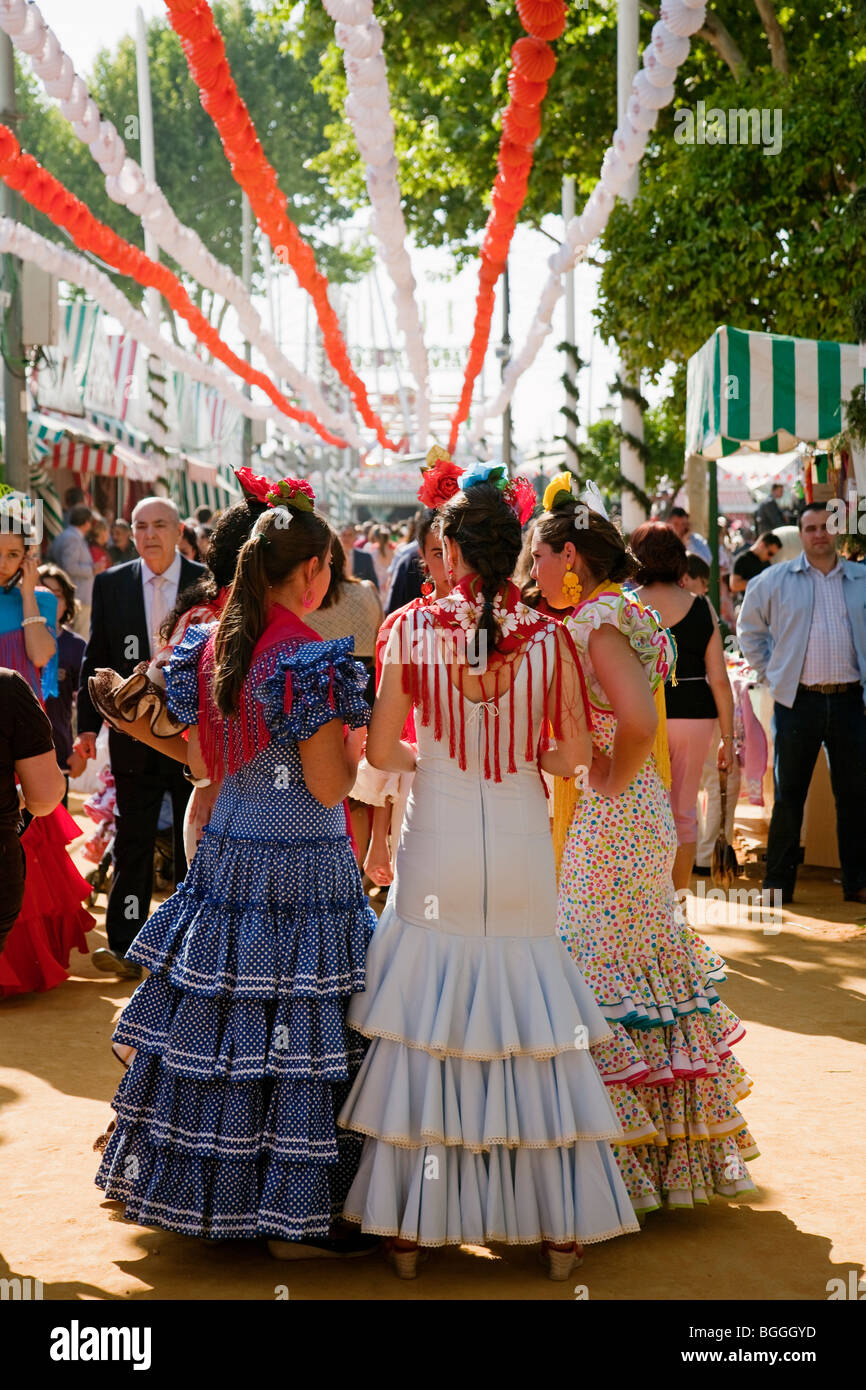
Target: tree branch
(775,37)
(717,36)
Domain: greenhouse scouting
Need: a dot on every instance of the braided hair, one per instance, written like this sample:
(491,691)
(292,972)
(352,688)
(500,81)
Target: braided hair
(488,533)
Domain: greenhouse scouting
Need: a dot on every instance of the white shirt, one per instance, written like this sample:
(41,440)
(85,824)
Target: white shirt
(830,655)
(168,597)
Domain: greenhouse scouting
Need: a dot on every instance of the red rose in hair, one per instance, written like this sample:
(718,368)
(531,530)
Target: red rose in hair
(520,496)
(439,479)
(254,485)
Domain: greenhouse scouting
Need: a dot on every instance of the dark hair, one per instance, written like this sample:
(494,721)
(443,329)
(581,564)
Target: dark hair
(267,558)
(696,568)
(594,538)
(339,577)
(679,511)
(770,538)
(423,527)
(67,588)
(229,534)
(189,535)
(203,515)
(488,533)
(72,497)
(810,507)
(78,515)
(660,554)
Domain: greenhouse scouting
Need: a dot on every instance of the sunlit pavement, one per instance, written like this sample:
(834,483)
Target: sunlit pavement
(799,988)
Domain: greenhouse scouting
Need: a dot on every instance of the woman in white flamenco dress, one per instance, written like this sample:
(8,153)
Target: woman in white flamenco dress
(485,1119)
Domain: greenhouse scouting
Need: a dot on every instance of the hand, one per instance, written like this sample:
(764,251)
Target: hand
(85,744)
(29,572)
(725,755)
(377,865)
(202,803)
(77,764)
(599,773)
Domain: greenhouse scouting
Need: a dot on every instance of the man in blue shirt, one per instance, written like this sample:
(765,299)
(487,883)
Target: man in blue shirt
(802,627)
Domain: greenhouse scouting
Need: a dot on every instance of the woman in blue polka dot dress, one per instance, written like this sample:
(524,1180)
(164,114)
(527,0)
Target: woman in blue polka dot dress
(226,1118)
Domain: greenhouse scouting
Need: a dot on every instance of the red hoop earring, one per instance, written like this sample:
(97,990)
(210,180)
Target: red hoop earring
(307,600)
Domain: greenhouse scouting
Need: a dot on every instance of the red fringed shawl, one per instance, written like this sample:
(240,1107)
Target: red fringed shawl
(431,639)
(228,744)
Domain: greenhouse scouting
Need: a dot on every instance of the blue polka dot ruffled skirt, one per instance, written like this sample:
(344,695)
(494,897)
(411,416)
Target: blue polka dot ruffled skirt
(226,1118)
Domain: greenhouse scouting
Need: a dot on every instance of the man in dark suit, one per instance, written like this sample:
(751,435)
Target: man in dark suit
(359,565)
(130,603)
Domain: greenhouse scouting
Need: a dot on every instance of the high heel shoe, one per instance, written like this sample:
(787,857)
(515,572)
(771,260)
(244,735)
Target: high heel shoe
(561,1263)
(405,1262)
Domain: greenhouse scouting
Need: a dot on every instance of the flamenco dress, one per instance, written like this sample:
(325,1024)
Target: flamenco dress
(53,920)
(484,1115)
(226,1117)
(671,1074)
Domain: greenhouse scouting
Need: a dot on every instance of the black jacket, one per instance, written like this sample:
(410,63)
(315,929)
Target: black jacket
(119,640)
(363,567)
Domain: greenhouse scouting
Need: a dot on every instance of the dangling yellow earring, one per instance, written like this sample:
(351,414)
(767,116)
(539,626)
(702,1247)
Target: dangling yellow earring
(571,587)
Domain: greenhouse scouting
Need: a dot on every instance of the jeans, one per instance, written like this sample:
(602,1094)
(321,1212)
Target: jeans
(839,723)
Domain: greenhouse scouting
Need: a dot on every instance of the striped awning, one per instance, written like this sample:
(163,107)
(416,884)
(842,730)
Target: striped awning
(766,392)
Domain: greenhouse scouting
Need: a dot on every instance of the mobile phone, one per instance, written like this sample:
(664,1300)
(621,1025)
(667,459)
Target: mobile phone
(14,581)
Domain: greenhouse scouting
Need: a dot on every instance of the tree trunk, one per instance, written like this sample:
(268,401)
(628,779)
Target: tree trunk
(717,36)
(775,37)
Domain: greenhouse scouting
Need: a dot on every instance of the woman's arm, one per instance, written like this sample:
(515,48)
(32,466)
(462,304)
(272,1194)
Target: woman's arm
(42,783)
(385,748)
(40,643)
(719,683)
(574,747)
(624,681)
(330,762)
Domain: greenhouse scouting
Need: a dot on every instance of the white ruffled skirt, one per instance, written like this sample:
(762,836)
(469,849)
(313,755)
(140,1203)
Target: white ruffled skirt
(484,1116)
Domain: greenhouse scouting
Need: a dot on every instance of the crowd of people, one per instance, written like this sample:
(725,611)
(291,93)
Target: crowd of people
(505,717)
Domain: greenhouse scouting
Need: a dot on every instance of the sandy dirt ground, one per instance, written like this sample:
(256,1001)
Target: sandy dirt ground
(800,991)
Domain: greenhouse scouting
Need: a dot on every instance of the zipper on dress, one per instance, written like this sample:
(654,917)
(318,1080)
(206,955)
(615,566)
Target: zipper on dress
(483,834)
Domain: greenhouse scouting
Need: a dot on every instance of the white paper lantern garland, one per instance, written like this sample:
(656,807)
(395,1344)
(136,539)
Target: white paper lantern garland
(652,89)
(368,109)
(127,185)
(21,241)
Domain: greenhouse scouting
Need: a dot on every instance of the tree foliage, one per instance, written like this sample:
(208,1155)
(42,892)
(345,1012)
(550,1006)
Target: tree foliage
(718,233)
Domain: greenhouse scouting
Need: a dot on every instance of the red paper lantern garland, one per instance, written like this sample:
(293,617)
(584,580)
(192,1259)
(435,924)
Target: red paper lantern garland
(44,192)
(203,46)
(533,65)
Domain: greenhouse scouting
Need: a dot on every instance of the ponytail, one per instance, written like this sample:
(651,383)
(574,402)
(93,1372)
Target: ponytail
(274,550)
(241,625)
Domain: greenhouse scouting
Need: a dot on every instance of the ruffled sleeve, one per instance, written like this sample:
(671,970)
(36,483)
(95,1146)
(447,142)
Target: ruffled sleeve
(181,673)
(643,628)
(311,685)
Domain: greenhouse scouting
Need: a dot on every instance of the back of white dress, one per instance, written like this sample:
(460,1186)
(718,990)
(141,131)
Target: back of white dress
(484,1115)
(475,855)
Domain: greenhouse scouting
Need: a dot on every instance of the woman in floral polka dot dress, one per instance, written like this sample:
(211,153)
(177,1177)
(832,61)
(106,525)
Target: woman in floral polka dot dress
(673,1079)
(226,1118)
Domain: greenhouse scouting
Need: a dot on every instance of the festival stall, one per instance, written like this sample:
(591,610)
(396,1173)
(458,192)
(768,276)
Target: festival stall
(765,393)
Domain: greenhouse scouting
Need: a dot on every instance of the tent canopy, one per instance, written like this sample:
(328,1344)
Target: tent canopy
(766,392)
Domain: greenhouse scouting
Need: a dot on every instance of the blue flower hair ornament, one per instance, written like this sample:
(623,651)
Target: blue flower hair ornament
(484,473)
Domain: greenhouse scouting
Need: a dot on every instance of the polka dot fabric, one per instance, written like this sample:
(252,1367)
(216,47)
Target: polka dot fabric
(226,1118)
(672,1077)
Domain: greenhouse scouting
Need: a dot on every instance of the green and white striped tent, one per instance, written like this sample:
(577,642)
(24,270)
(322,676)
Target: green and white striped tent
(766,392)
